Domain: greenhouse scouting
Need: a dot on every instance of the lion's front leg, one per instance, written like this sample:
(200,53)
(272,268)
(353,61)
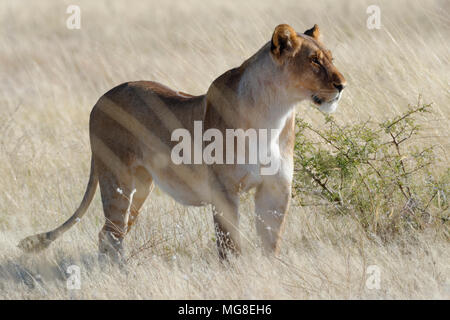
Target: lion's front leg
(226,225)
(271,205)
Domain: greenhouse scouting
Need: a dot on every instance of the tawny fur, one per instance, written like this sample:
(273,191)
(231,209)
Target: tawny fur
(130,133)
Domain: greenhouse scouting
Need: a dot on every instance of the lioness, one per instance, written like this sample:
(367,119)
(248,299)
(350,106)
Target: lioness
(130,134)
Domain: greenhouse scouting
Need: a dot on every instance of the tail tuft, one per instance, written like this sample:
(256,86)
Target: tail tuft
(35,243)
(41,241)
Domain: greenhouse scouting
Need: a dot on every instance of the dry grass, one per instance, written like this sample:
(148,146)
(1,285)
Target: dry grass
(52,76)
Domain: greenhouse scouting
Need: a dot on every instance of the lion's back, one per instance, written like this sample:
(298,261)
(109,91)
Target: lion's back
(136,115)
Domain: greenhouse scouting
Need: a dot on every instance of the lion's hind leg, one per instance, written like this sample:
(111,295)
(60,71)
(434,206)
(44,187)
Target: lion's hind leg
(144,186)
(122,197)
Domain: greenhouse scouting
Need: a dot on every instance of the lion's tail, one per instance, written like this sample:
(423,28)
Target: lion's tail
(41,241)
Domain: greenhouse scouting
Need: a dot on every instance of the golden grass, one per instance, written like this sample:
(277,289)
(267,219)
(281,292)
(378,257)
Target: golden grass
(51,77)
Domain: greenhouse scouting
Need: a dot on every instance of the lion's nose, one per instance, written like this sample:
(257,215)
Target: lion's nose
(339,86)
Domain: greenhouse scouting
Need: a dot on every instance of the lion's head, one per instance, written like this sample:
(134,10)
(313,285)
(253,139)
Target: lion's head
(308,65)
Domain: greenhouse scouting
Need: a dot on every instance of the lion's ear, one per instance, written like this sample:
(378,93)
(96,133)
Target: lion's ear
(285,42)
(314,32)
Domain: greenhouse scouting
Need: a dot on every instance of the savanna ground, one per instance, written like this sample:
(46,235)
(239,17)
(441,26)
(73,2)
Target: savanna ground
(52,76)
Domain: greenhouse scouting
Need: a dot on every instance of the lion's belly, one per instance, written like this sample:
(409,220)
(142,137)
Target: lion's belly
(186,184)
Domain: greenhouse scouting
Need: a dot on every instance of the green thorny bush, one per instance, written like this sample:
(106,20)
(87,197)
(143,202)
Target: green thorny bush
(369,170)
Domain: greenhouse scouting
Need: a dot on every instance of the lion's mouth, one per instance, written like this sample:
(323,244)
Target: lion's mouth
(316,100)
(319,101)
(326,106)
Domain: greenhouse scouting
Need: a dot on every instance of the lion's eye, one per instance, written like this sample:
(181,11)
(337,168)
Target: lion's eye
(315,60)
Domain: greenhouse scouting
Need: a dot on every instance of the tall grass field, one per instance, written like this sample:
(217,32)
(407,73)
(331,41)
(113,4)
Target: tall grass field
(382,242)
